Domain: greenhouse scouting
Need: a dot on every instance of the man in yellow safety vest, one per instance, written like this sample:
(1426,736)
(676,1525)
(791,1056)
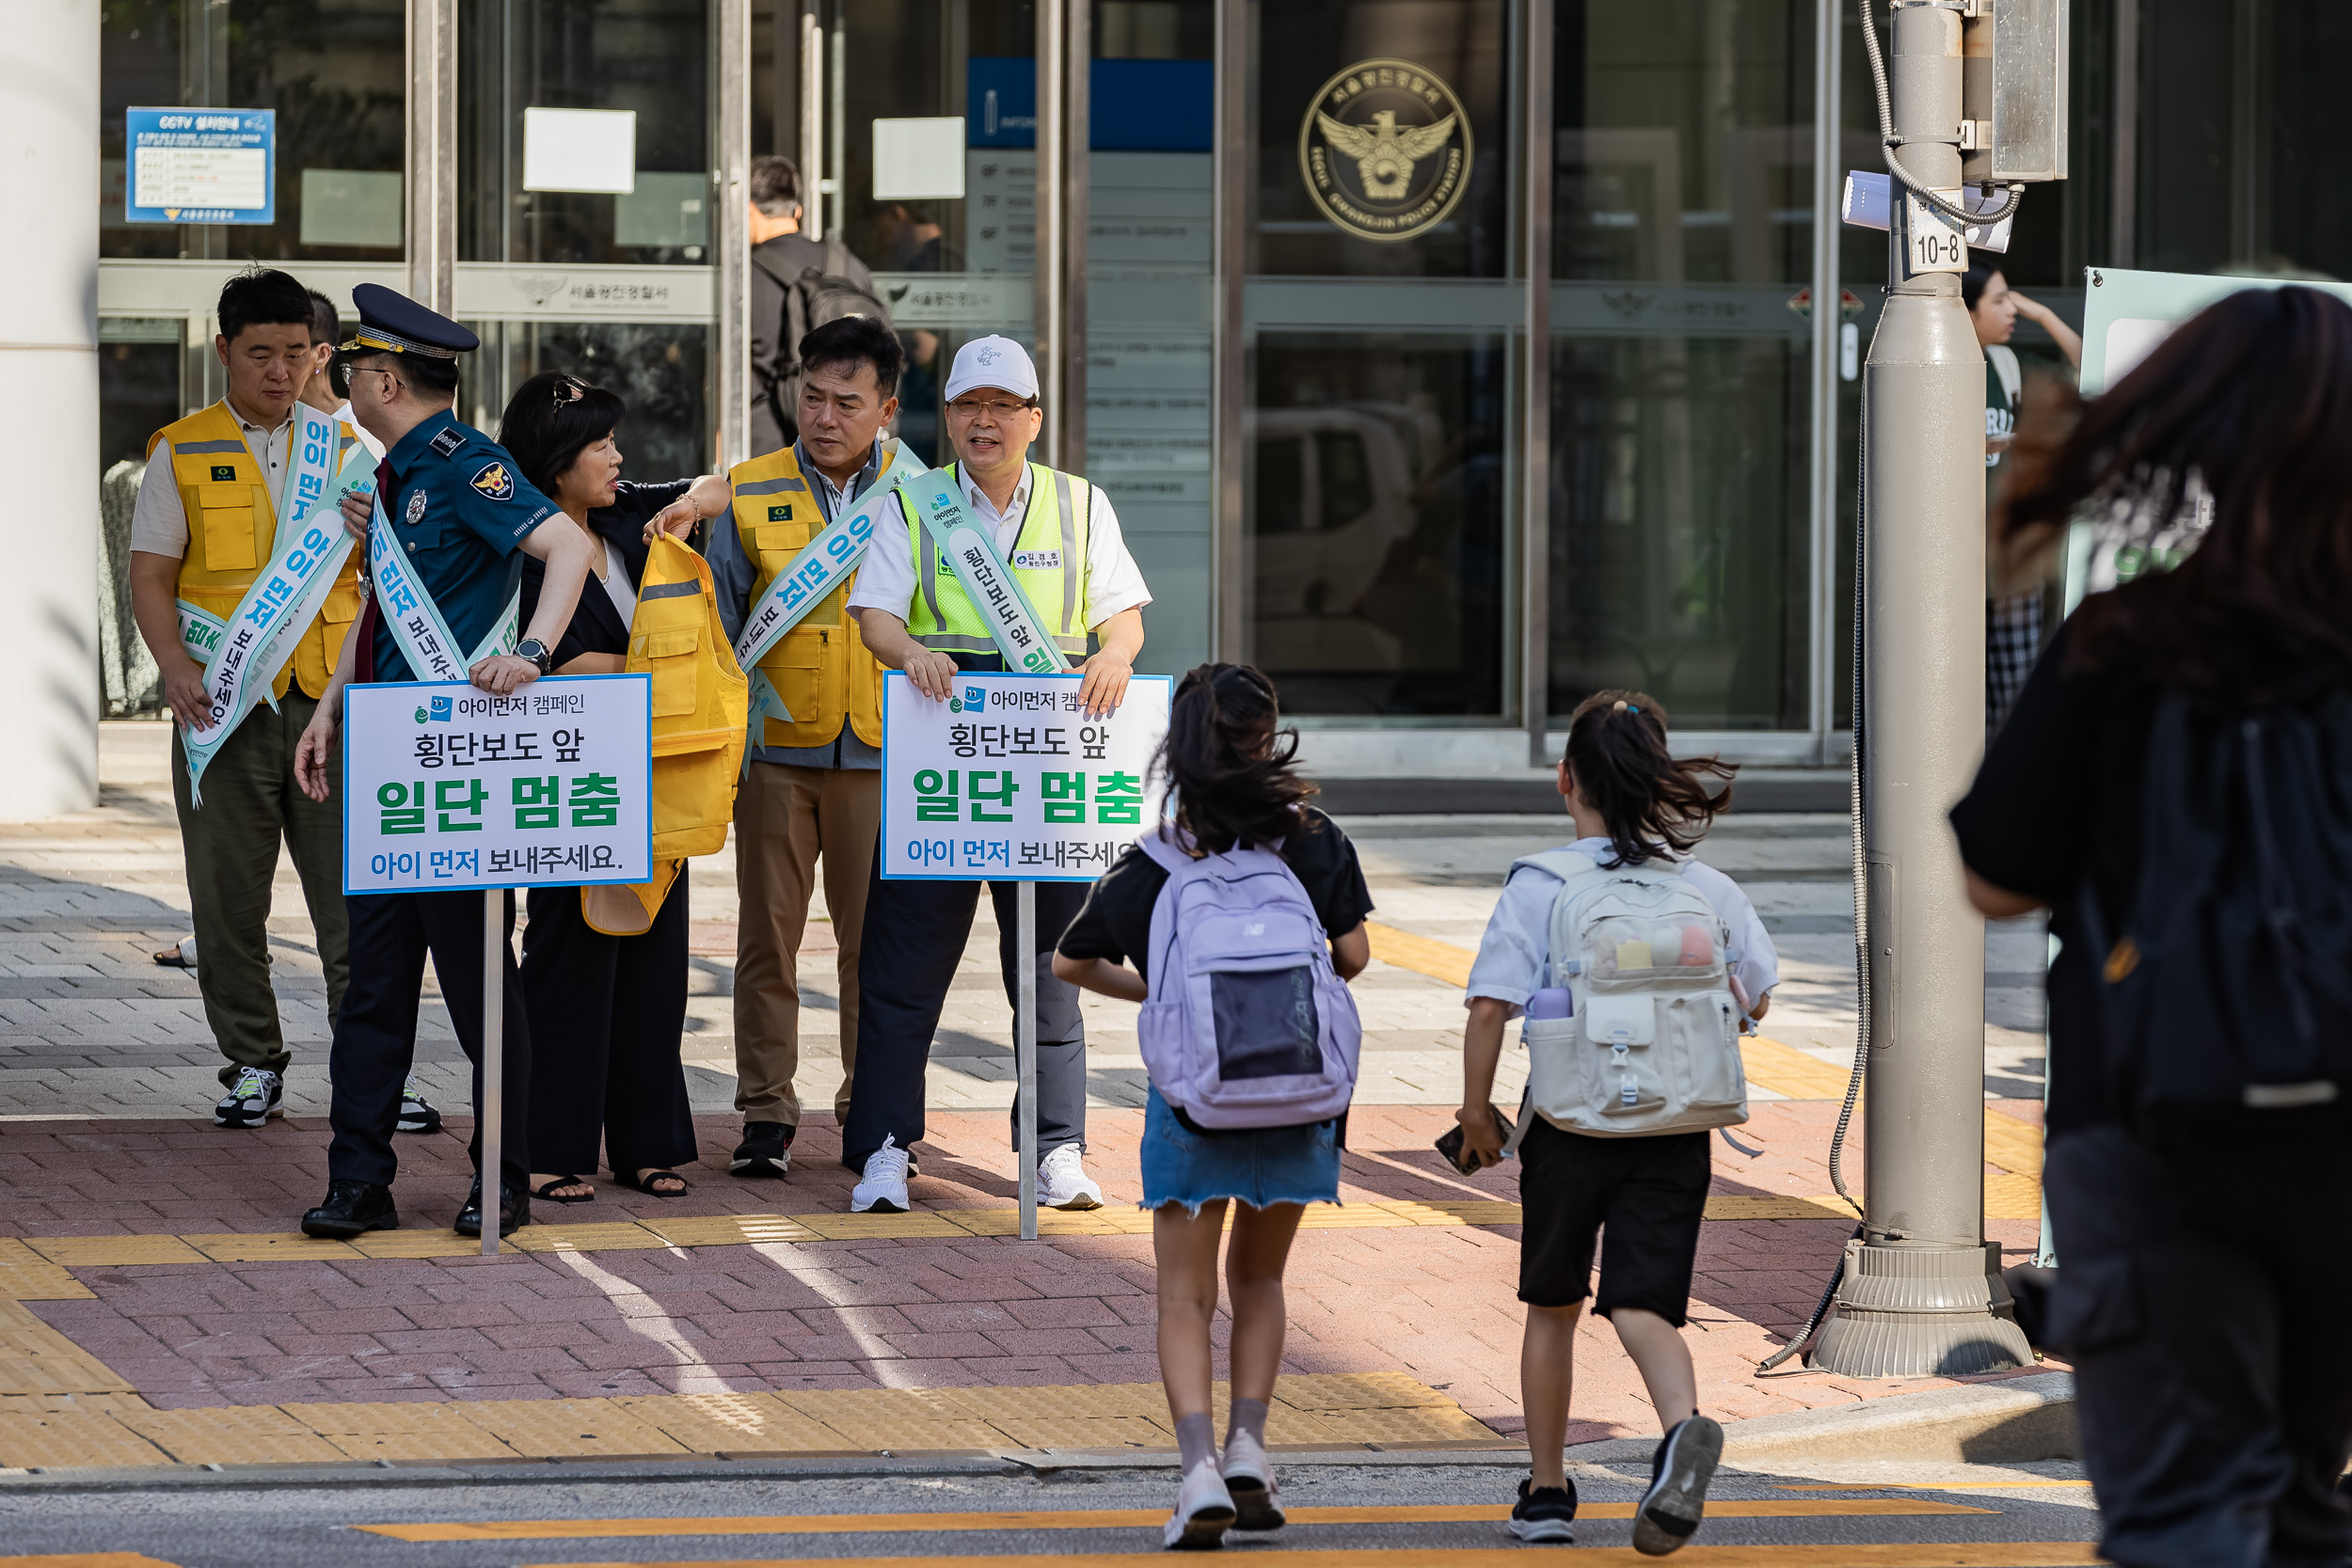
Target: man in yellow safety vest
(1061,540)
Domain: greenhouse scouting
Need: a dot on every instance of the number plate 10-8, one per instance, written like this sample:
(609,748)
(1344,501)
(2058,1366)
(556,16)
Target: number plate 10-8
(1934,242)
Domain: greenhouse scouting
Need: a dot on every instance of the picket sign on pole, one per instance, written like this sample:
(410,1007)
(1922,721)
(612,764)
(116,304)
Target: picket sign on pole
(1009,780)
(493,1108)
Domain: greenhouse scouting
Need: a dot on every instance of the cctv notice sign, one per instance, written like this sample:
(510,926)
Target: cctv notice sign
(1009,780)
(448,787)
(200,166)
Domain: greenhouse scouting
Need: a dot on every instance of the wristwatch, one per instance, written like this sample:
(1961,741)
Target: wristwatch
(537,651)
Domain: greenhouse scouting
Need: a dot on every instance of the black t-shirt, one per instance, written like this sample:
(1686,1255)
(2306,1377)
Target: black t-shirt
(1116,923)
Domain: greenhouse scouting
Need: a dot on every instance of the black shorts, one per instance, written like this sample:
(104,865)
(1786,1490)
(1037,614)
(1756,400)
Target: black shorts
(1651,1193)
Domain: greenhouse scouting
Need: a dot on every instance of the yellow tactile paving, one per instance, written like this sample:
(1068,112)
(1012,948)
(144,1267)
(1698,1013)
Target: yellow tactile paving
(1093,1518)
(35,1358)
(1768,1206)
(61,1439)
(438,1242)
(241,1248)
(107,1252)
(232,1434)
(400,1432)
(616,1236)
(1990,1554)
(730,1230)
(732,1423)
(2014,1146)
(1439,960)
(27,1276)
(860,1228)
(568,1428)
(2012,1196)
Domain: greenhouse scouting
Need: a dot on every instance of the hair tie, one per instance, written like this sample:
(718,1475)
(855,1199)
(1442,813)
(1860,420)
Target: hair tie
(1630,708)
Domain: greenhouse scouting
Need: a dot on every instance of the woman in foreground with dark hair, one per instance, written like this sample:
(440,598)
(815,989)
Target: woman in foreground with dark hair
(1230,776)
(2172,786)
(612,1008)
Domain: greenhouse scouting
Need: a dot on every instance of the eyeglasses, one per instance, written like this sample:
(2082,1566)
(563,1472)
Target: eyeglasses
(567,392)
(995,408)
(370,369)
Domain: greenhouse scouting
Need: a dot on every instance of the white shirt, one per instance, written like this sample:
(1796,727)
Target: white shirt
(617,586)
(376,447)
(159,524)
(885,579)
(1515,954)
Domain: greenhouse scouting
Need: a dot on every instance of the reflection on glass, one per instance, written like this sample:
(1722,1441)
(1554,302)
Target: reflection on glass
(139,393)
(1681,230)
(1375,555)
(336,74)
(649,57)
(1677,526)
(658,369)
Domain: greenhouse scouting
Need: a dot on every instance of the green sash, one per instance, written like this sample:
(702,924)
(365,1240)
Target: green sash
(1014,622)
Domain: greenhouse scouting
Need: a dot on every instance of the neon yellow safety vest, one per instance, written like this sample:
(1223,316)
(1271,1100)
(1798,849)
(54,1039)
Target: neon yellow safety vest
(1048,559)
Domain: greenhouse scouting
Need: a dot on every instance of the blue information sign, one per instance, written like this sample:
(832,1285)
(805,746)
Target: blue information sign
(200,166)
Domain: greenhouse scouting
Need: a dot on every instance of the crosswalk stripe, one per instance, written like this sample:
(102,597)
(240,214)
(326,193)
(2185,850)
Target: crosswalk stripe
(1108,1518)
(1968,1554)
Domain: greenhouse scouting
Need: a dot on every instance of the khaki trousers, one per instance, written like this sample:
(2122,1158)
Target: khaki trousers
(230,844)
(786,819)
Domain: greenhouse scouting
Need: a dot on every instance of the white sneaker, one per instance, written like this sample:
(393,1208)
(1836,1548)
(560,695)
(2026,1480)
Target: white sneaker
(1204,1511)
(884,1189)
(1257,1502)
(1063,1181)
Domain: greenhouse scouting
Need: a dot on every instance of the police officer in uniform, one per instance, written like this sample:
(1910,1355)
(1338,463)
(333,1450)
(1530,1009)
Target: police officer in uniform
(1062,541)
(458,507)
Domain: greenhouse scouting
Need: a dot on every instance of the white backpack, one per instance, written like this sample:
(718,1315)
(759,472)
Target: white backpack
(1653,1043)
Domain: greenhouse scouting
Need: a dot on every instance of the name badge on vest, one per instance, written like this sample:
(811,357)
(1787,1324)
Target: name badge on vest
(1037,560)
(780,514)
(222,473)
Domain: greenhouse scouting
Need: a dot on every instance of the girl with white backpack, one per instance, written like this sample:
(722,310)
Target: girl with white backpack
(1243,917)
(1635,969)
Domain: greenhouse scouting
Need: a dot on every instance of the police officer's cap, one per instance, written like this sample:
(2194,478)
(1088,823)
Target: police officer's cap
(392,322)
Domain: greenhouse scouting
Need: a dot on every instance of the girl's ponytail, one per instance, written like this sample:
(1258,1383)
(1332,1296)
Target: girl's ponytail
(1229,771)
(1650,802)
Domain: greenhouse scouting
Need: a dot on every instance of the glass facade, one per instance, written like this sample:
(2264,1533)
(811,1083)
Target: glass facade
(1301,249)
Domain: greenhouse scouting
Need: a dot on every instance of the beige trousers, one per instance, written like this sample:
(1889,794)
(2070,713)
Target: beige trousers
(786,819)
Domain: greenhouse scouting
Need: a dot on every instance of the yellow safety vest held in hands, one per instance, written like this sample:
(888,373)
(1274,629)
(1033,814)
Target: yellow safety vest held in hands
(1048,559)
(820,668)
(232,527)
(700,703)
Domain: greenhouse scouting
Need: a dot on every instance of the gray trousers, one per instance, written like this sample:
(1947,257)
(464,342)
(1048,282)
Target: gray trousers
(2201,1295)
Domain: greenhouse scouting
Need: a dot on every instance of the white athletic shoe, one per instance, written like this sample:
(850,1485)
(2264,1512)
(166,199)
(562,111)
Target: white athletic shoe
(1257,1500)
(1063,1181)
(884,1189)
(1204,1511)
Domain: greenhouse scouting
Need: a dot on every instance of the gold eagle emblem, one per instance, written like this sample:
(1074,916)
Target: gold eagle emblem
(1384,154)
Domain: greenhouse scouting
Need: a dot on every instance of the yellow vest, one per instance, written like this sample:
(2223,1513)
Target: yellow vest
(700,703)
(232,527)
(1052,543)
(820,668)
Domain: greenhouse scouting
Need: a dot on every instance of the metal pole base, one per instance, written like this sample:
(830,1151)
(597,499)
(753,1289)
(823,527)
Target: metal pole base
(1920,1311)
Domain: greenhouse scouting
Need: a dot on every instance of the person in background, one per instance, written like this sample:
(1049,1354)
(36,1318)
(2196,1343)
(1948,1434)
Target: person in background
(1232,781)
(783,307)
(1632,801)
(2160,787)
(224,468)
(2013,590)
(615,1005)
(1061,541)
(328,391)
(812,789)
(453,505)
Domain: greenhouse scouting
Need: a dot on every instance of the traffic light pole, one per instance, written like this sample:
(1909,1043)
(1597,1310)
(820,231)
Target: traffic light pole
(1920,1294)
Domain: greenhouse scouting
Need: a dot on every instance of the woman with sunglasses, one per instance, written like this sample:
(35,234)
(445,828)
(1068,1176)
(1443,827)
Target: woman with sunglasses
(612,1008)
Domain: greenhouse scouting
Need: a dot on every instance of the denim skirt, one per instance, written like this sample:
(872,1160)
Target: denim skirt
(1259,1167)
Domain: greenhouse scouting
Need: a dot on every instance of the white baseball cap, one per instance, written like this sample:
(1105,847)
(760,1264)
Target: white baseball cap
(992,361)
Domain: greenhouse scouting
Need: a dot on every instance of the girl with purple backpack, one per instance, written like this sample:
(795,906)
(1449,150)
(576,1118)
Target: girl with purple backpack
(1243,917)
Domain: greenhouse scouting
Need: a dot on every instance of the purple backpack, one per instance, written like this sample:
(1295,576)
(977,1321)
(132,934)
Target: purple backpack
(1246,1024)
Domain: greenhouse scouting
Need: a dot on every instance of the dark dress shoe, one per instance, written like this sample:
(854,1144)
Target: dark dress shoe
(514,1210)
(352,1209)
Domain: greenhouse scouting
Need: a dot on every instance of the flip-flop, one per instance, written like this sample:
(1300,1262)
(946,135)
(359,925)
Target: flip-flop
(645,1183)
(547,1190)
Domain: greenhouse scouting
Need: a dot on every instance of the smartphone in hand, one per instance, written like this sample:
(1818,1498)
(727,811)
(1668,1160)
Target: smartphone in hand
(1458,1157)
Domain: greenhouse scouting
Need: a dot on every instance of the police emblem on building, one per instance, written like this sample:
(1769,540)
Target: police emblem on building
(1385,149)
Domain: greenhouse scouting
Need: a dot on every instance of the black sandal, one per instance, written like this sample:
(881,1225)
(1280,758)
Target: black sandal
(645,1183)
(546,1192)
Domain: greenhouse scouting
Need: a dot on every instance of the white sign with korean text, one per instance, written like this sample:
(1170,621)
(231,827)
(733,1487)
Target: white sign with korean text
(448,787)
(1009,780)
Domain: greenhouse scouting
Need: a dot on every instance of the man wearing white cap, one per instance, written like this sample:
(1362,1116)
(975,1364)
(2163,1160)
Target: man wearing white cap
(1061,540)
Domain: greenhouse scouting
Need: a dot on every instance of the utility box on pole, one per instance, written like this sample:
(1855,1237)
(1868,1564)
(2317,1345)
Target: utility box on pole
(1969,90)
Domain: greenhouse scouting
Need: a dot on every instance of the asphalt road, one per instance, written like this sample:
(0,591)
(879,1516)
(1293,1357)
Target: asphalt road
(1398,1515)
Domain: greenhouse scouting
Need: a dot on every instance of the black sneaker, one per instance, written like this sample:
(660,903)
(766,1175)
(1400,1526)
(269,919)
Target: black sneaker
(1685,1461)
(252,1100)
(352,1209)
(1544,1513)
(766,1149)
(417,1113)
